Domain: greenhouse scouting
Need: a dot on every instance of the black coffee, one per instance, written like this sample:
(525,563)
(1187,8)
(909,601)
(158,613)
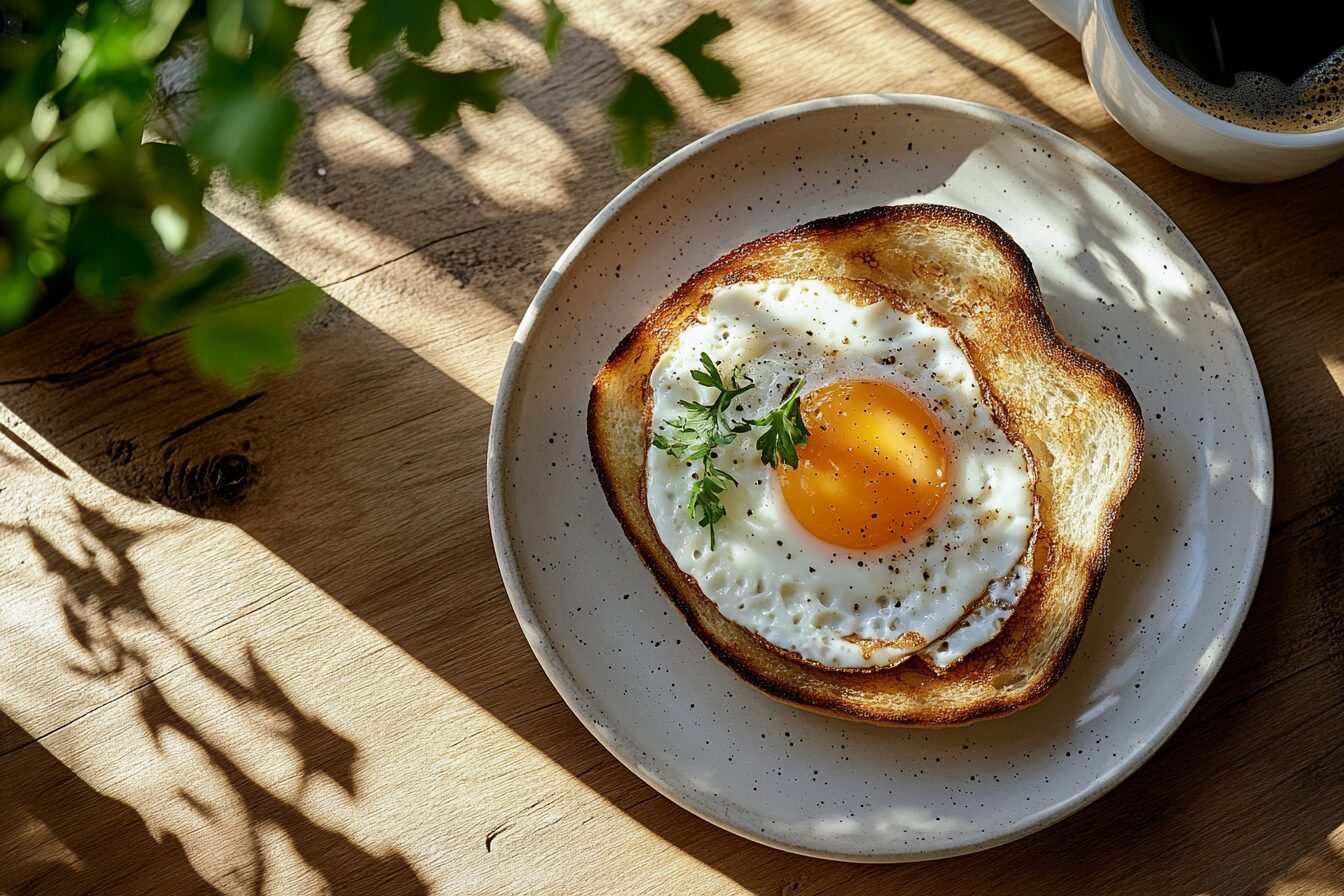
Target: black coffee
(1273,65)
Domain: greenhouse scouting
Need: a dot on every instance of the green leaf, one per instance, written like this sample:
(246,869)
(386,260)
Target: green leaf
(64,175)
(18,297)
(435,97)
(44,262)
(26,218)
(714,77)
(474,11)
(551,30)
(247,128)
(94,126)
(178,300)
(109,254)
(163,18)
(173,229)
(225,22)
(377,24)
(175,193)
(785,430)
(275,31)
(635,112)
(709,374)
(695,436)
(75,49)
(247,338)
(705,504)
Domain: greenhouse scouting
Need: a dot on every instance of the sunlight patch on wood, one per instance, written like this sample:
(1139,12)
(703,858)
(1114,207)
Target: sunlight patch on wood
(322,243)
(350,137)
(219,730)
(34,839)
(1334,365)
(512,159)
(474,334)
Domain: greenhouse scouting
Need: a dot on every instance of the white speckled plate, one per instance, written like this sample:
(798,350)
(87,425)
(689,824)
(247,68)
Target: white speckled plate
(1120,281)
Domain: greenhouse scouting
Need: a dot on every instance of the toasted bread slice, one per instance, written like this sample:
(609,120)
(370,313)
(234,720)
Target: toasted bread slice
(1076,417)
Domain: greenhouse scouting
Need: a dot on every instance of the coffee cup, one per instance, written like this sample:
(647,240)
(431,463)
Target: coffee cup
(1170,126)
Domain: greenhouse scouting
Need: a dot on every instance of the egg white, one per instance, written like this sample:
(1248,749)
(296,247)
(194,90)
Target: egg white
(947,590)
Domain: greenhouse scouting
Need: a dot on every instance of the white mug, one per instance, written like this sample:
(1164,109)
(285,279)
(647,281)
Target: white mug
(1171,127)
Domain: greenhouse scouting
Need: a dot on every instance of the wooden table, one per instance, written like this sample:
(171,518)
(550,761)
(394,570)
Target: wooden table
(258,643)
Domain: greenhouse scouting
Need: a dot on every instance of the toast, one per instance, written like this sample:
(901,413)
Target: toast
(1076,417)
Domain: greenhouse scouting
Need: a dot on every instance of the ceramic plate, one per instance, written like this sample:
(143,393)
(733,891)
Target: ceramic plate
(1120,281)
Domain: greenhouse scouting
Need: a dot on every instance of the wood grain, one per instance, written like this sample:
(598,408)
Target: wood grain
(258,643)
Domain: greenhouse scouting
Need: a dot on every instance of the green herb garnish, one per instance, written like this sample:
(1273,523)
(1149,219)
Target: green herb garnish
(705,428)
(785,430)
(696,435)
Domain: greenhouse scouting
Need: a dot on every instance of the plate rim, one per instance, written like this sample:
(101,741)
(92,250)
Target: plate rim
(559,674)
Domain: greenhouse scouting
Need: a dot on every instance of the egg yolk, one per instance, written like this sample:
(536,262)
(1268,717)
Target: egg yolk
(874,469)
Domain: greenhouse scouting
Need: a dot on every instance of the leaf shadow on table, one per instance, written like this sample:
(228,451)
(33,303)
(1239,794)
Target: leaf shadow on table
(1060,49)
(365,528)
(486,204)
(55,830)
(98,843)
(1022,24)
(382,531)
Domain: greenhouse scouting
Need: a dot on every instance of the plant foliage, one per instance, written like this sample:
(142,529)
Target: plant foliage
(88,205)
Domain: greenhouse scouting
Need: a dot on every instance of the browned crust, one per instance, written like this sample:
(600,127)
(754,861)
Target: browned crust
(1040,638)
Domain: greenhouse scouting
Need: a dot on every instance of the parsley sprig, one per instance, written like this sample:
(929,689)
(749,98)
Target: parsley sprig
(785,430)
(704,428)
(698,433)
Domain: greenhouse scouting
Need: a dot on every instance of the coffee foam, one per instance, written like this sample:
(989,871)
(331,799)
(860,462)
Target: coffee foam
(1314,102)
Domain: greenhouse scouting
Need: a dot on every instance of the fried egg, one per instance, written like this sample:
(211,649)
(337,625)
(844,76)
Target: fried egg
(906,526)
